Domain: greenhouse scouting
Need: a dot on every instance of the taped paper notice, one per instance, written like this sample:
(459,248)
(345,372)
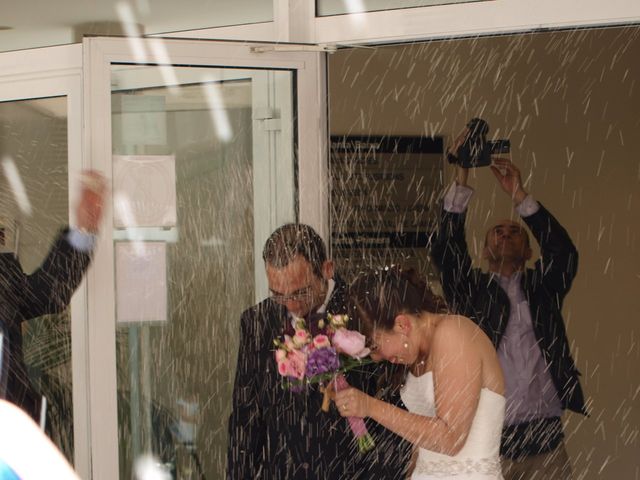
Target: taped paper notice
(141,282)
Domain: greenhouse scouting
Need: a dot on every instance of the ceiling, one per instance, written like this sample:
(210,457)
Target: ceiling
(53,24)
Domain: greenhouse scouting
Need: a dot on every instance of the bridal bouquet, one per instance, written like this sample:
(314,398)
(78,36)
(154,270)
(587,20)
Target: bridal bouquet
(323,358)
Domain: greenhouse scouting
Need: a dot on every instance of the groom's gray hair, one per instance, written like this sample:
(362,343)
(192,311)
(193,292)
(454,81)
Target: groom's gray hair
(295,239)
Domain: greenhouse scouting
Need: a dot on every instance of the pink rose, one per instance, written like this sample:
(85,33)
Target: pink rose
(293,365)
(281,354)
(297,364)
(321,341)
(283,367)
(300,338)
(350,342)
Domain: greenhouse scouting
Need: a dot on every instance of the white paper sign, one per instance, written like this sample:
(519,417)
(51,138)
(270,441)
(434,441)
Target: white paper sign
(144,189)
(141,282)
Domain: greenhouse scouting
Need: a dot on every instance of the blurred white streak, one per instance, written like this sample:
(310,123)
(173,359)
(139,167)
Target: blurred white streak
(130,27)
(217,110)
(161,57)
(354,6)
(122,206)
(213,241)
(17,187)
(147,467)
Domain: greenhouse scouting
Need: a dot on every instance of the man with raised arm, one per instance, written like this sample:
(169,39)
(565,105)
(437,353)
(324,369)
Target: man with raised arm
(47,290)
(519,308)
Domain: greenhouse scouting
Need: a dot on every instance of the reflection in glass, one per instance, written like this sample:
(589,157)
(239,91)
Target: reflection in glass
(33,138)
(382,192)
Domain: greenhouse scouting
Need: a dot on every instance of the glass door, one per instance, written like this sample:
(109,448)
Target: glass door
(41,155)
(209,146)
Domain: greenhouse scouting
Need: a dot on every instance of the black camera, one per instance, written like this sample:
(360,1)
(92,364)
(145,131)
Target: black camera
(476,150)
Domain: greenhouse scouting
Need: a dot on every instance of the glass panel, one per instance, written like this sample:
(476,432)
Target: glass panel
(325,8)
(382,189)
(185,216)
(67,22)
(33,143)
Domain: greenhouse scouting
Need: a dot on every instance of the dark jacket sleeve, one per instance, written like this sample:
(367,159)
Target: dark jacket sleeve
(245,425)
(450,255)
(49,289)
(559,263)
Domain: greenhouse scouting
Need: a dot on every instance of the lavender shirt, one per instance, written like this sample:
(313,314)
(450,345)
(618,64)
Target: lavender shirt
(529,388)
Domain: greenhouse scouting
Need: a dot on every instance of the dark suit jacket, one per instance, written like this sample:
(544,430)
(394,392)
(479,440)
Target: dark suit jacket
(23,297)
(477,295)
(276,433)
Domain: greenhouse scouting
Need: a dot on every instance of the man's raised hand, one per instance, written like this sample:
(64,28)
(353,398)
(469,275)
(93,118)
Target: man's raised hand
(509,178)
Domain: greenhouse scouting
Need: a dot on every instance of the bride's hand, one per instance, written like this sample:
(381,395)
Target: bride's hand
(351,402)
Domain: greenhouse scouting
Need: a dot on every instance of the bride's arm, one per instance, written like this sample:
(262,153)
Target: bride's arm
(457,373)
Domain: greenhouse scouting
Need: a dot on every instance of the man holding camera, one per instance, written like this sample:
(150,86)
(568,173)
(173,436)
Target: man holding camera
(520,310)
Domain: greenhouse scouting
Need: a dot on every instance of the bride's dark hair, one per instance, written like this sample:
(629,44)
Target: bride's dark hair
(377,297)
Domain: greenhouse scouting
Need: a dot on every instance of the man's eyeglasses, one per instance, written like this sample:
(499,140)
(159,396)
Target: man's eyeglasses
(299,295)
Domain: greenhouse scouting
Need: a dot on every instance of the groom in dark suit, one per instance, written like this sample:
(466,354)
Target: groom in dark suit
(277,433)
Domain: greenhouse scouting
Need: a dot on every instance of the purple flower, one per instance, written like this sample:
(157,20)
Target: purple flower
(322,360)
(295,386)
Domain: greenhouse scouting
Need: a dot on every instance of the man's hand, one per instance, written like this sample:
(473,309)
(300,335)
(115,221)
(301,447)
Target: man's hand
(461,173)
(457,143)
(508,176)
(91,204)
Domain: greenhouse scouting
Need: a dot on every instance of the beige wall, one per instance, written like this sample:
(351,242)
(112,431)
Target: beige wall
(570,103)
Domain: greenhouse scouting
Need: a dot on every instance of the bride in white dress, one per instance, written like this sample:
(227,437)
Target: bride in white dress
(454,386)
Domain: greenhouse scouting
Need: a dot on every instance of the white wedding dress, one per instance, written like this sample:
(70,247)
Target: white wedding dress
(479,459)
